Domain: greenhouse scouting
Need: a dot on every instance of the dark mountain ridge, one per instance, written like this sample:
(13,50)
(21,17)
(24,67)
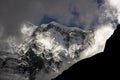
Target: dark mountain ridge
(104,65)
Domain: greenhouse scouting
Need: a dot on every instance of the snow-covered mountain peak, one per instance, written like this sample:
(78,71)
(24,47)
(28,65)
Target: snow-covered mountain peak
(56,38)
(50,48)
(57,44)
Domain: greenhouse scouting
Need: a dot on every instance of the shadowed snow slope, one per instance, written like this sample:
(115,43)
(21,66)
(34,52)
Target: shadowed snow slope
(101,66)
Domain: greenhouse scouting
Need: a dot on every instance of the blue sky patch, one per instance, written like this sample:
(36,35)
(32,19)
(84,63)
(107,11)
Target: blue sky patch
(99,2)
(46,20)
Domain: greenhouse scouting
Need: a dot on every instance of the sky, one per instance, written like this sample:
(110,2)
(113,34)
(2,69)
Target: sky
(100,16)
(86,14)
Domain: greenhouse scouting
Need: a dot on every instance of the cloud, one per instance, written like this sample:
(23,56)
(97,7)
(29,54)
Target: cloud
(2,43)
(101,35)
(27,29)
(14,12)
(1,31)
(116,5)
(77,12)
(87,14)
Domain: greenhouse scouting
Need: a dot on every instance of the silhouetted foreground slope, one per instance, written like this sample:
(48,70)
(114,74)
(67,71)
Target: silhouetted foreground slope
(104,65)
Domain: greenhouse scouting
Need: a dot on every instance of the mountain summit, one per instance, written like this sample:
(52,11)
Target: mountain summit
(58,39)
(47,50)
(56,45)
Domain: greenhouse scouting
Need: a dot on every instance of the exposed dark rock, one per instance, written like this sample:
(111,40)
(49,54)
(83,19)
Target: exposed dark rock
(104,65)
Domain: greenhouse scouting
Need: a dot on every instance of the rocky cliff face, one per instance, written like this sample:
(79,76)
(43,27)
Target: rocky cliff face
(9,67)
(51,48)
(59,47)
(104,65)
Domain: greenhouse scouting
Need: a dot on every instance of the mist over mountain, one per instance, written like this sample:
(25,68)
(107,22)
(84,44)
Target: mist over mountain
(103,65)
(48,50)
(41,49)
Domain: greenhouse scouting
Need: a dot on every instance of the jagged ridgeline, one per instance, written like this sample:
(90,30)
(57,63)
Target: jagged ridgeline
(54,44)
(51,48)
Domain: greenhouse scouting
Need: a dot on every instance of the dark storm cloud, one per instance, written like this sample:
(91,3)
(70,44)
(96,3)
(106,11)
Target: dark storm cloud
(14,12)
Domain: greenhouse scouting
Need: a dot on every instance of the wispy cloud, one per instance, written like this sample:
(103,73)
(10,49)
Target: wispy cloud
(87,14)
(115,4)
(14,12)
